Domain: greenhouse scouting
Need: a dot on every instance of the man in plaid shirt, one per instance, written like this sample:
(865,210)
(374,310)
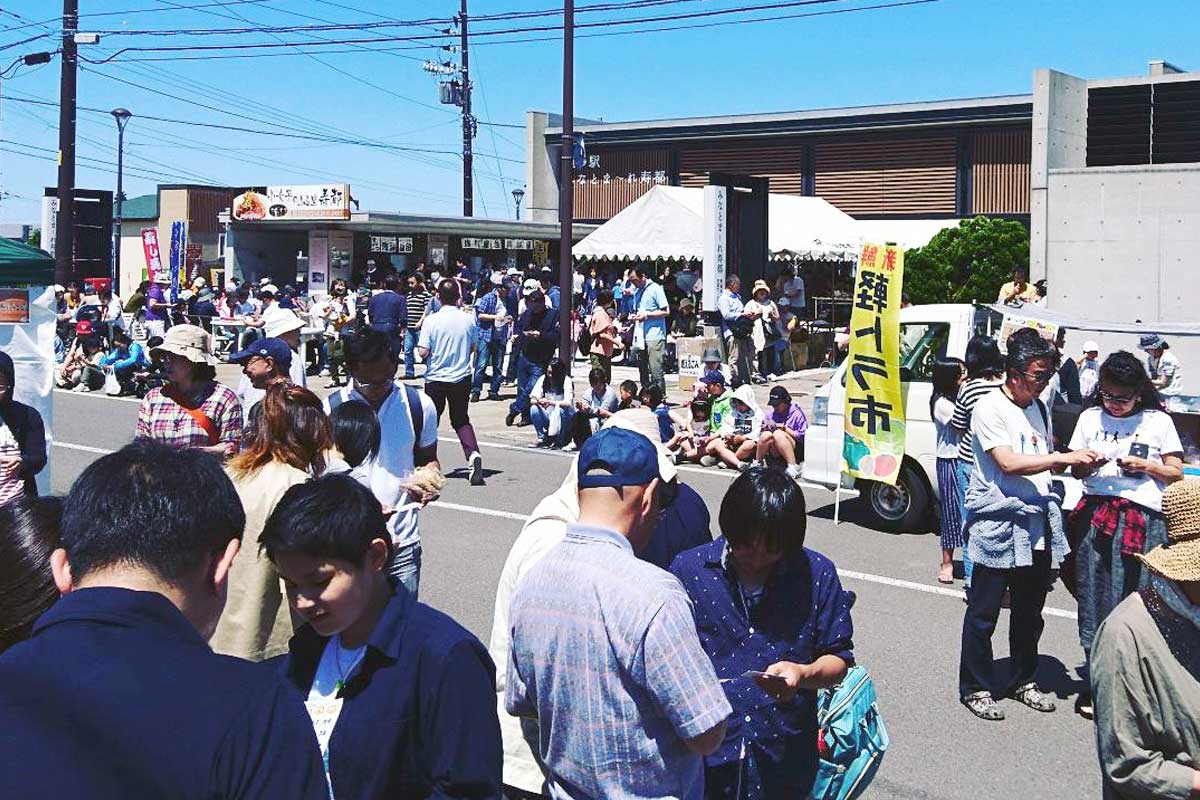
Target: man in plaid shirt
(491,315)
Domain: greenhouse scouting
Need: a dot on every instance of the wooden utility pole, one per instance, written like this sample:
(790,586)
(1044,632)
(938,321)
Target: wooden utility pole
(566,187)
(64,242)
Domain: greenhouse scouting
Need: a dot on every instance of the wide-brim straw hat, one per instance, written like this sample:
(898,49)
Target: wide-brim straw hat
(283,323)
(1179,558)
(760,286)
(188,341)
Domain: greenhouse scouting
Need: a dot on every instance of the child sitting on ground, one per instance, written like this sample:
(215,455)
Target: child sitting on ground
(652,398)
(689,444)
(737,441)
(628,392)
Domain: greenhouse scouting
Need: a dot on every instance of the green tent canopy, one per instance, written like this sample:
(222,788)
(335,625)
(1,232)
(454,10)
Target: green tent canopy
(24,265)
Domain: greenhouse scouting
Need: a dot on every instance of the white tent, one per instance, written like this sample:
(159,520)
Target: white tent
(668,222)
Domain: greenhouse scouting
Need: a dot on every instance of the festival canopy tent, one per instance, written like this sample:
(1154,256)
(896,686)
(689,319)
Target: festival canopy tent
(668,223)
(23,265)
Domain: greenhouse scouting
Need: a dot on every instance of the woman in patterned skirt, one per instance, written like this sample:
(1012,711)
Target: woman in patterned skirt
(948,375)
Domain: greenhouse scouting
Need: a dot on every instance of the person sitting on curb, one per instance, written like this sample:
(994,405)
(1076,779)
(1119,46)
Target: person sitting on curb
(783,432)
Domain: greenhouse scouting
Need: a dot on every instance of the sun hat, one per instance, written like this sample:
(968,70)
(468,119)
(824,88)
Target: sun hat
(778,395)
(760,286)
(616,457)
(283,323)
(199,283)
(645,422)
(1150,341)
(266,348)
(1090,347)
(190,342)
(1179,558)
(711,354)
(205,294)
(687,302)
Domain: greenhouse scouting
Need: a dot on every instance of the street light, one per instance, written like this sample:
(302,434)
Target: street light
(121,115)
(518,196)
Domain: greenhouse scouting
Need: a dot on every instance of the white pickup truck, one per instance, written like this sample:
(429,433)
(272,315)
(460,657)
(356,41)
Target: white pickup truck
(926,334)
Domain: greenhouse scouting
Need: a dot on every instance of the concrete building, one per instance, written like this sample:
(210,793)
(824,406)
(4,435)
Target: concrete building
(936,160)
(1115,200)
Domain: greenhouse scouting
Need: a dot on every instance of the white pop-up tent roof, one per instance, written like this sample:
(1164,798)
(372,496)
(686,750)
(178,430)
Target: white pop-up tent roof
(668,222)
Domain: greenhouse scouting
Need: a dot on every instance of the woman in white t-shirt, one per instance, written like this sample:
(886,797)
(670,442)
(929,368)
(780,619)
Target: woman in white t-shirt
(948,376)
(764,327)
(1120,515)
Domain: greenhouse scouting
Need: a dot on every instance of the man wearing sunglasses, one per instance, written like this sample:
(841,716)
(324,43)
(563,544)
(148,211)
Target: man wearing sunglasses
(1014,526)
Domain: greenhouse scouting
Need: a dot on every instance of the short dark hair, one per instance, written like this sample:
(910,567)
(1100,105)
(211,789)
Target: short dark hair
(630,387)
(367,345)
(597,374)
(356,431)
(29,532)
(764,504)
(701,405)
(644,269)
(1026,346)
(983,357)
(652,395)
(153,506)
(604,297)
(448,291)
(391,281)
(1127,371)
(333,516)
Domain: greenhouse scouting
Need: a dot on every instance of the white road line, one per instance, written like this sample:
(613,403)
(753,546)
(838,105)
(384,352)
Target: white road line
(487,512)
(100,451)
(938,590)
(97,395)
(713,472)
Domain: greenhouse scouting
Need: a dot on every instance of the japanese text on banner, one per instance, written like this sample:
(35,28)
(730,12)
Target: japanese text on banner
(873,446)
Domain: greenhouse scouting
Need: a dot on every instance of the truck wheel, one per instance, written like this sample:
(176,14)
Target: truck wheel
(900,508)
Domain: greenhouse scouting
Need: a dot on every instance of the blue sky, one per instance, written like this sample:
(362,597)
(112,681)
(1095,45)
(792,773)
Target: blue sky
(945,49)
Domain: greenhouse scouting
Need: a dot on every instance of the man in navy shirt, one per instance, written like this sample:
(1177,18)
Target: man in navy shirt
(386,312)
(537,332)
(116,694)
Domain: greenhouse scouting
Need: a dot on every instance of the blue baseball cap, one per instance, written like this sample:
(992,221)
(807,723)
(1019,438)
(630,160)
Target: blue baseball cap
(626,458)
(714,376)
(266,348)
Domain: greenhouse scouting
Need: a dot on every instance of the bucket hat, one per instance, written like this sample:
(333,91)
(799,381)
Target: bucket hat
(188,341)
(1150,341)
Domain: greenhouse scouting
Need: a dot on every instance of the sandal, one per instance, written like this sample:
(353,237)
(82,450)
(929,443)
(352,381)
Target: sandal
(946,574)
(1084,706)
(983,706)
(1030,695)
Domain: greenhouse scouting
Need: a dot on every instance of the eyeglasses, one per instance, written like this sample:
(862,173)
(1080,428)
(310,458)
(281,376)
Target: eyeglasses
(1119,399)
(1041,376)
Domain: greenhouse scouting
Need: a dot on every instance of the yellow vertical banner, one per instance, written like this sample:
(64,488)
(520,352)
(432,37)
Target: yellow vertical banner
(873,446)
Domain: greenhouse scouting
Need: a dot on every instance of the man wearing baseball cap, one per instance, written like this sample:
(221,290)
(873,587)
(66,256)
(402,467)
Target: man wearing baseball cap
(1089,368)
(630,703)
(263,363)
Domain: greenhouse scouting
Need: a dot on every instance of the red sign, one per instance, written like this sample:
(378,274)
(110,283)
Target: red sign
(14,306)
(150,246)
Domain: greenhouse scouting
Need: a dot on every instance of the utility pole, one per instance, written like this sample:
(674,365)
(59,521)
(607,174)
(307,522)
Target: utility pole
(566,186)
(64,243)
(468,121)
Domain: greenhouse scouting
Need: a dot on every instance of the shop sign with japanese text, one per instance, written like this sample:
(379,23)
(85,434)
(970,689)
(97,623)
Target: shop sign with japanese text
(14,306)
(873,445)
(469,243)
(154,266)
(285,203)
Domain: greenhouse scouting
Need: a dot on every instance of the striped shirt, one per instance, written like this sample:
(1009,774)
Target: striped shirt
(968,396)
(417,301)
(605,654)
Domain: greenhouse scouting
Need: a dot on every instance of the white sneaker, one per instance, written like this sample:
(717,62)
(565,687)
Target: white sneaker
(793,470)
(708,461)
(570,447)
(476,472)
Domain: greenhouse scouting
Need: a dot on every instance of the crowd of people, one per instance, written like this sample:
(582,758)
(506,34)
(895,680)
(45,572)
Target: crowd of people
(632,653)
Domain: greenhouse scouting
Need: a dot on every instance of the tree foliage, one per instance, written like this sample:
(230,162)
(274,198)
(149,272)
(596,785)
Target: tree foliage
(967,263)
(35,238)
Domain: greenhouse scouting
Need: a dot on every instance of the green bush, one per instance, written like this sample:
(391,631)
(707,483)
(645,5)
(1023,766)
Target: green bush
(967,263)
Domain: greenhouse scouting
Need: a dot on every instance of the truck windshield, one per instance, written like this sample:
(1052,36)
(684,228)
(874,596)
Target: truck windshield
(921,343)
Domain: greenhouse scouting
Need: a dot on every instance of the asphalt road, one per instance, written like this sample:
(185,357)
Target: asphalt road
(906,625)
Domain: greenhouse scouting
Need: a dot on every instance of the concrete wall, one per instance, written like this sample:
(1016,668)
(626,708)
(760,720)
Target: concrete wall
(1122,244)
(541,177)
(1059,141)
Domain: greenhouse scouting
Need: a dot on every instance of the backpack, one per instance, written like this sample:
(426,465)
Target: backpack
(851,737)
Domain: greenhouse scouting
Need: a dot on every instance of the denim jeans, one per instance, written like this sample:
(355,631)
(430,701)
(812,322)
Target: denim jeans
(527,375)
(410,349)
(514,357)
(405,567)
(541,424)
(964,476)
(488,353)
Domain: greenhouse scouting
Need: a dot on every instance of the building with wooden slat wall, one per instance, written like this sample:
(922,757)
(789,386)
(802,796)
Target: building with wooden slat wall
(940,159)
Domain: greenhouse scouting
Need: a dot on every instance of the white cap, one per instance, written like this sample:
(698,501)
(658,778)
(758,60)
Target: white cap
(269,288)
(58,287)
(1089,346)
(530,286)
(497,279)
